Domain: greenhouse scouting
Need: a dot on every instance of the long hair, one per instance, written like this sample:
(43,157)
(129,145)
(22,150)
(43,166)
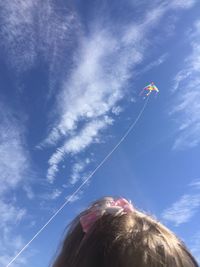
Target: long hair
(131,239)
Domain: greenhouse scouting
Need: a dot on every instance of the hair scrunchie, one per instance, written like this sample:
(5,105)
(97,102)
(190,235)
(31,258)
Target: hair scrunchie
(109,206)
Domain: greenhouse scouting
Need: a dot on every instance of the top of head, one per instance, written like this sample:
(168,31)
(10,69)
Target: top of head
(119,235)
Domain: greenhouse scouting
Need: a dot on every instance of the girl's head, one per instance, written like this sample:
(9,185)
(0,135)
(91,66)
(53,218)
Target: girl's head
(112,233)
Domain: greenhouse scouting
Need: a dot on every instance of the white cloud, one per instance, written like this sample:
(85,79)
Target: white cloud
(182,210)
(77,170)
(14,166)
(155,63)
(73,198)
(11,244)
(195,184)
(77,144)
(14,158)
(52,195)
(182,3)
(94,86)
(97,83)
(36,30)
(167,5)
(10,214)
(117,110)
(57,33)
(55,194)
(17,32)
(103,65)
(185,207)
(187,94)
(29,192)
(87,136)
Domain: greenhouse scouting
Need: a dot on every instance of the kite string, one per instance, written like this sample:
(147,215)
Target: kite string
(84,182)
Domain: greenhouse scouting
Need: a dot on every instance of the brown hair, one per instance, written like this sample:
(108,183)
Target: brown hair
(128,240)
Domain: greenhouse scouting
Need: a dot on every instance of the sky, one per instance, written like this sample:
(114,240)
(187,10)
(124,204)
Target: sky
(71,74)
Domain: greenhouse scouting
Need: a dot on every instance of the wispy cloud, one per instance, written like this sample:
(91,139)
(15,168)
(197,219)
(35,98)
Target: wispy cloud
(17,37)
(29,192)
(155,63)
(182,4)
(173,4)
(10,214)
(37,31)
(78,169)
(10,242)
(187,94)
(102,61)
(117,110)
(103,65)
(78,143)
(52,195)
(73,198)
(57,33)
(8,245)
(14,166)
(195,184)
(14,157)
(184,208)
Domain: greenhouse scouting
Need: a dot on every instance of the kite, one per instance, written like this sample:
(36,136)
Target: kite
(150,88)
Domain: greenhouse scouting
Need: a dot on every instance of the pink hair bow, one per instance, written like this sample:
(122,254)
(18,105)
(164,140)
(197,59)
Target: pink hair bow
(109,206)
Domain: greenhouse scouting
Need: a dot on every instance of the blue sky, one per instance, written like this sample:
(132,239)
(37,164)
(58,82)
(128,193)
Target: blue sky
(70,77)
